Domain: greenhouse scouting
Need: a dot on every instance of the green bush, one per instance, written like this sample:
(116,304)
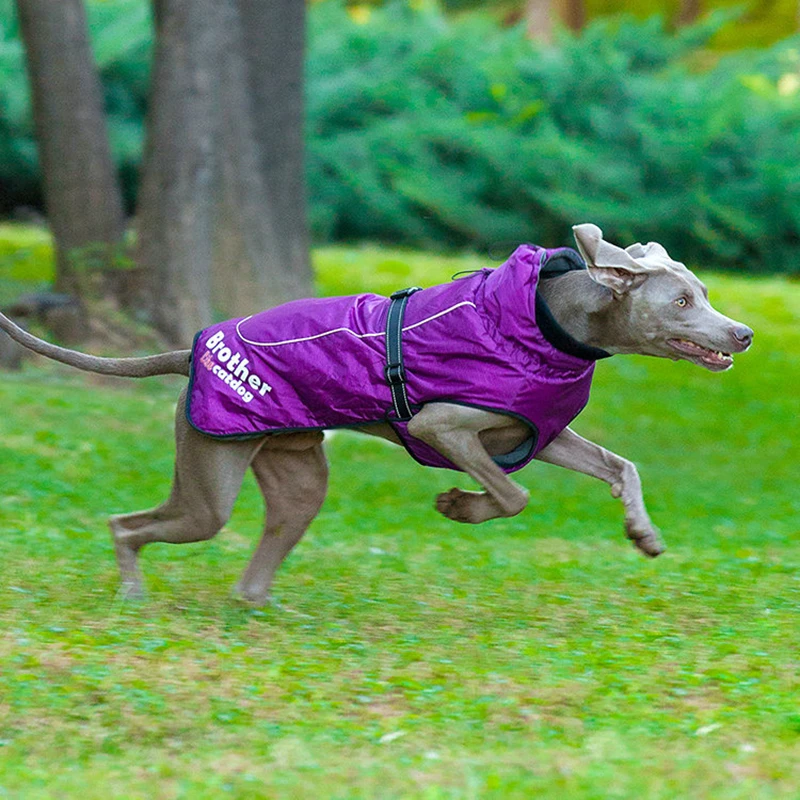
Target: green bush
(460,133)
(122,40)
(18,162)
(453,132)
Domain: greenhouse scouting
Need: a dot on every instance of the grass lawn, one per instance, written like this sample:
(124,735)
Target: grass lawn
(539,656)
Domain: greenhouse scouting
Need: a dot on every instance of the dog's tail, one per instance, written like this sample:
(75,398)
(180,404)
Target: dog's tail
(174,363)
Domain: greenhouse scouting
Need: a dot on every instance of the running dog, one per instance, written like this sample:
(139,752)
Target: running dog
(480,375)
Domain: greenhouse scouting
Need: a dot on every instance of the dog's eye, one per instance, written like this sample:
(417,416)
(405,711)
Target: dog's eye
(681,302)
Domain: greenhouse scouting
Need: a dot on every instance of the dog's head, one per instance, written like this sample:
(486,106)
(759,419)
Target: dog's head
(665,306)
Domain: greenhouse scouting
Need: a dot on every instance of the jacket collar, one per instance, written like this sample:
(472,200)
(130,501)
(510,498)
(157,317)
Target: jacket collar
(556,263)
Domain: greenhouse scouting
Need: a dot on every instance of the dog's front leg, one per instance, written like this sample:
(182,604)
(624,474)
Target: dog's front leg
(574,452)
(454,432)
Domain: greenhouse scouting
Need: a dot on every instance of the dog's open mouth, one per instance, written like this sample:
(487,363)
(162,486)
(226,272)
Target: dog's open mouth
(712,359)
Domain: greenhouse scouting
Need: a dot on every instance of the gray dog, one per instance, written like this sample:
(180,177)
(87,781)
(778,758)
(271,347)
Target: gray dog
(636,300)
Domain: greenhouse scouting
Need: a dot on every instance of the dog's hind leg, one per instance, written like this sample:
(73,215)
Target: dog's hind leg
(208,476)
(292,473)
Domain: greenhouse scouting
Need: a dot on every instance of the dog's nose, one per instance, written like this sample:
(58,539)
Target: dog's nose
(743,335)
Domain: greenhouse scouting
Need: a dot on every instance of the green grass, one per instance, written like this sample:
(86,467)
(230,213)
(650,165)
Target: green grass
(26,260)
(538,656)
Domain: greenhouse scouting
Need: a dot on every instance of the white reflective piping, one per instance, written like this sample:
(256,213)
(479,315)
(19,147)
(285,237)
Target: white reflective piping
(345,330)
(304,339)
(440,314)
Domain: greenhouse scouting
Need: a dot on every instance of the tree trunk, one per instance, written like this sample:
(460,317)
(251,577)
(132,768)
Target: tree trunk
(175,214)
(573,13)
(248,242)
(274,47)
(689,12)
(540,23)
(543,15)
(261,257)
(81,187)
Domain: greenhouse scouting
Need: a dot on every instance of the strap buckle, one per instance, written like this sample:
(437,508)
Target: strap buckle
(395,374)
(394,370)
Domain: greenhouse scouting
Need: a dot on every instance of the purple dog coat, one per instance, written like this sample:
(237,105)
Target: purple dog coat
(486,340)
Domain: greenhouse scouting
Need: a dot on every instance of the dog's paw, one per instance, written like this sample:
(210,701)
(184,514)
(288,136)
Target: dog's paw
(257,596)
(127,561)
(468,507)
(646,538)
(131,592)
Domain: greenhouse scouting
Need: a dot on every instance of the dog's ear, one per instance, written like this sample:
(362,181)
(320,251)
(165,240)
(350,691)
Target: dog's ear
(608,264)
(653,252)
(638,250)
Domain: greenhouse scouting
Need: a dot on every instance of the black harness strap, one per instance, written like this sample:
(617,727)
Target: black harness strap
(394,371)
